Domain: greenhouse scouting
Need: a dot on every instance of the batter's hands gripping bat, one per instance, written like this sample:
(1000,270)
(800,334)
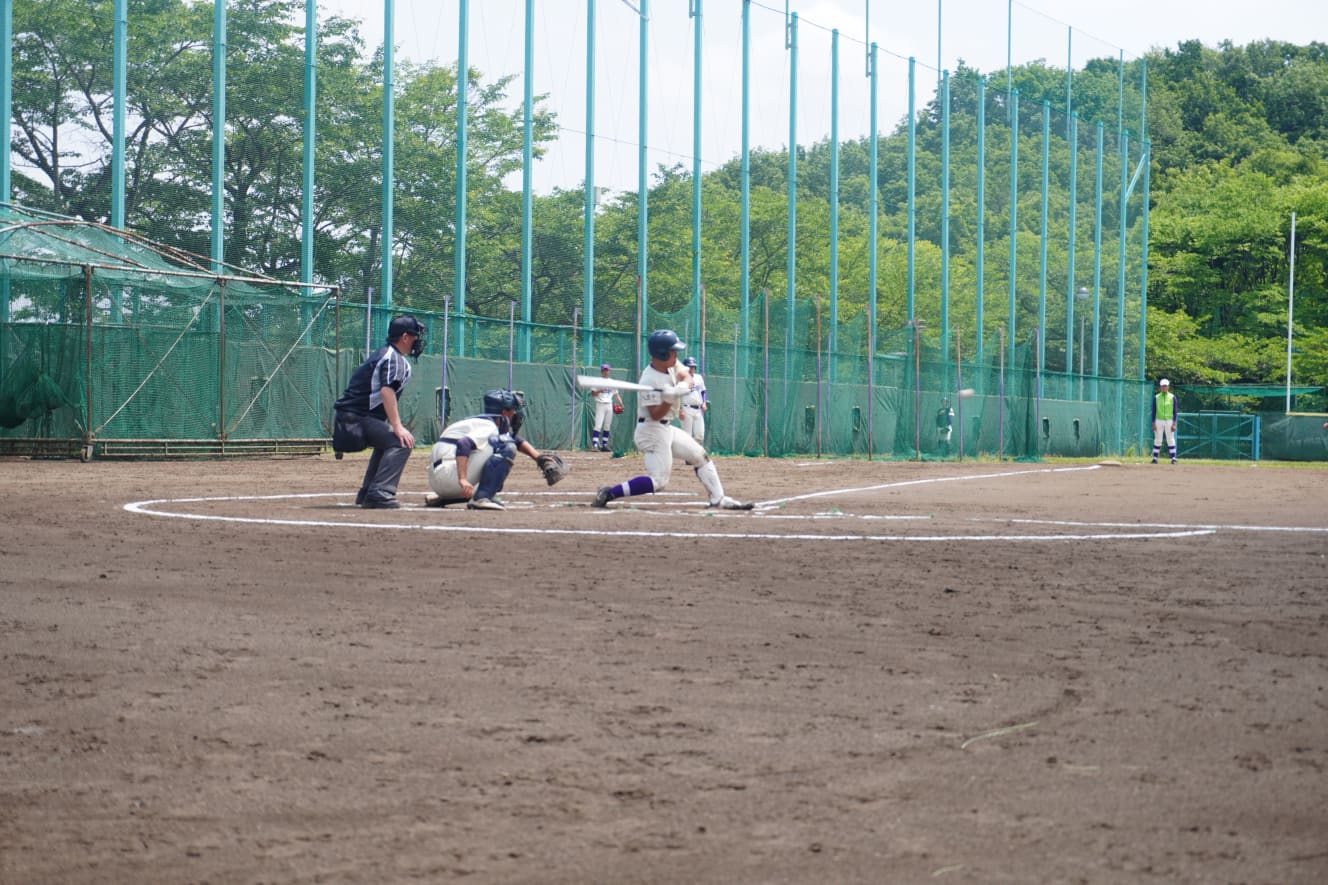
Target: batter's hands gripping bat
(592,382)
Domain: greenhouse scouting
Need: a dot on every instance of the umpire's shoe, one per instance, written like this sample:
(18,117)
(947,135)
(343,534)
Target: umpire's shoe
(484,504)
(727,503)
(380,504)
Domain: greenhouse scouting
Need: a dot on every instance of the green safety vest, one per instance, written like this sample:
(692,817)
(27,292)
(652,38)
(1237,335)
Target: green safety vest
(1166,406)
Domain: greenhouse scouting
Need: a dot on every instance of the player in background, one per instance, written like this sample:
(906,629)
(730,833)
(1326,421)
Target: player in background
(1164,420)
(656,436)
(607,404)
(944,427)
(694,403)
(368,414)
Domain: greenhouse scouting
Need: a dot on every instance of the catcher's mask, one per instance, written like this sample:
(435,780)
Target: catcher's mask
(407,325)
(498,401)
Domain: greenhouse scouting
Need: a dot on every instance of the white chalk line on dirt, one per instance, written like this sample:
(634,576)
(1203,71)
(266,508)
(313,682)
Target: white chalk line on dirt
(1169,525)
(825,493)
(150,508)
(146,508)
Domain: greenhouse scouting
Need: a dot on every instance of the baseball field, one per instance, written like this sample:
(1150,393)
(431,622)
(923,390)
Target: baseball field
(888,672)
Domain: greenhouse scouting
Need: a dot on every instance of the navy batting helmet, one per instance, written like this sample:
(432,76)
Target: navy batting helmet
(690,362)
(662,342)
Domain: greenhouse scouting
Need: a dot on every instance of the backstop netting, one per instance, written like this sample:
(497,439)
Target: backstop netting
(117,346)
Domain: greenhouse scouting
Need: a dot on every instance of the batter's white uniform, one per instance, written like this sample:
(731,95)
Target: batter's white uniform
(660,441)
(443,465)
(694,409)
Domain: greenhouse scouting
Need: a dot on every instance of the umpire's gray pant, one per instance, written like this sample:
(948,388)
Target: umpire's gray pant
(386,464)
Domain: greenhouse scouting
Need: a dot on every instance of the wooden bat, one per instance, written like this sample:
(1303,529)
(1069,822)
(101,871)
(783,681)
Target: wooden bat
(592,382)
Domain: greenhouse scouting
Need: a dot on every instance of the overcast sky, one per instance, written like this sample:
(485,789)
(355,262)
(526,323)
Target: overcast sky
(975,31)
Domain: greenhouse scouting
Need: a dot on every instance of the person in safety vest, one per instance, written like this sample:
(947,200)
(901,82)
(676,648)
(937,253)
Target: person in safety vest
(1164,420)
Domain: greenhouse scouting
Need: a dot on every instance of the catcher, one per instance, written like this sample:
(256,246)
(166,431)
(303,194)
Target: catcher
(473,456)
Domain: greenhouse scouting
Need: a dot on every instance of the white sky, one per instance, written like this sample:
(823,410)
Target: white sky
(973,30)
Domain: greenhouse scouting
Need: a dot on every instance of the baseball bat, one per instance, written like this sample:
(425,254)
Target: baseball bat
(590,382)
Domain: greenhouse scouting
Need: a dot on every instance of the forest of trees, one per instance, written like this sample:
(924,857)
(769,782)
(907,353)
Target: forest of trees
(1239,138)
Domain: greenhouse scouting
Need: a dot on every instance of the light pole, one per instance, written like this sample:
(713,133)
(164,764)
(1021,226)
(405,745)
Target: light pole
(1081,296)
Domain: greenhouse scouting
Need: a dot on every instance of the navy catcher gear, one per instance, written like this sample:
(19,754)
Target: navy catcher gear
(498,401)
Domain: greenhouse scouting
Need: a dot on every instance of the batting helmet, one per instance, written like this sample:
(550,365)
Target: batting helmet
(690,362)
(406,325)
(662,342)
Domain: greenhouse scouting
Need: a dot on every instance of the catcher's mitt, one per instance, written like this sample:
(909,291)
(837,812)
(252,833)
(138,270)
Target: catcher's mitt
(552,466)
(617,408)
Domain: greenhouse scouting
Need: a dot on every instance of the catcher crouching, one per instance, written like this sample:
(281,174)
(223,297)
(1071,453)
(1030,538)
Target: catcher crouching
(473,456)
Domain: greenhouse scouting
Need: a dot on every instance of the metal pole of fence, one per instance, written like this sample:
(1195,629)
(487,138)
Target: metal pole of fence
(1037,399)
(1000,455)
(818,375)
(368,323)
(733,410)
(765,374)
(917,389)
(442,392)
(511,339)
(959,386)
(571,438)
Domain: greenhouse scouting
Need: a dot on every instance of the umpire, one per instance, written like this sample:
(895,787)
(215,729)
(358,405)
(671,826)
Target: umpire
(368,414)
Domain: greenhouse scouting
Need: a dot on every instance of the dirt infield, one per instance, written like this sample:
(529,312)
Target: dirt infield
(889,672)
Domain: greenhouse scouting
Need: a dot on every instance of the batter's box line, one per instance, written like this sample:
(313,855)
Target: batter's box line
(826,493)
(1214,527)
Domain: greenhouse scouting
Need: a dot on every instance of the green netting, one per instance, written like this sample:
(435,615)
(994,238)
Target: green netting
(113,338)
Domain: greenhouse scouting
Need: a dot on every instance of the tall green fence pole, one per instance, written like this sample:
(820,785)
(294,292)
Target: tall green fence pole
(791,252)
(389,154)
(310,129)
(1071,284)
(1145,160)
(6,106)
(218,130)
(1010,320)
(1124,150)
(527,180)
(695,12)
(118,78)
(1097,257)
(912,186)
(589,201)
(6,138)
(462,169)
(1042,248)
(981,227)
(307,162)
(745,192)
(945,220)
(873,207)
(873,246)
(642,169)
(833,348)
(118,89)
